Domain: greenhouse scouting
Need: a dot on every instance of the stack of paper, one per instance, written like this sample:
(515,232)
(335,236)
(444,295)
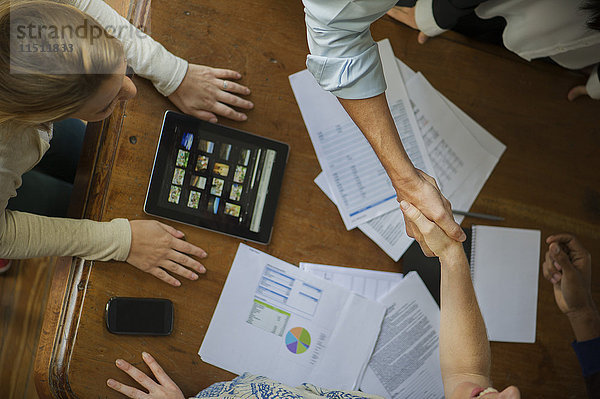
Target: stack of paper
(276,320)
(294,326)
(405,362)
(439,138)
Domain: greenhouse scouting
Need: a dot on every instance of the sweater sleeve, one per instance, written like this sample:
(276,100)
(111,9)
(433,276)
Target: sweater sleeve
(588,354)
(435,16)
(593,84)
(147,57)
(25,235)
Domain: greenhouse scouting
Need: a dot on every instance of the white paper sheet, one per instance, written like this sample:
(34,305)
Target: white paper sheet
(453,153)
(372,284)
(463,153)
(387,231)
(359,182)
(505,267)
(406,360)
(275,320)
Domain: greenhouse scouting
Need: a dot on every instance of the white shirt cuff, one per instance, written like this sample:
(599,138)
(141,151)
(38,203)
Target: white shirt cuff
(350,78)
(425,19)
(593,84)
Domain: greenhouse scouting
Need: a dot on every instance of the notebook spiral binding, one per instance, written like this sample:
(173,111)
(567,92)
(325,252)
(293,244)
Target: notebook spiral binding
(473,245)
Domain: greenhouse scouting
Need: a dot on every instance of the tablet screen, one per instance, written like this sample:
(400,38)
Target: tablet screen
(216,177)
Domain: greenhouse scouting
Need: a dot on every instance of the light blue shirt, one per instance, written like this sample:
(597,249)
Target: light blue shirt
(343,57)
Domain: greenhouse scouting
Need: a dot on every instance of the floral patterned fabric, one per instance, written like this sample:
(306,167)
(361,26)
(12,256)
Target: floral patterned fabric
(248,386)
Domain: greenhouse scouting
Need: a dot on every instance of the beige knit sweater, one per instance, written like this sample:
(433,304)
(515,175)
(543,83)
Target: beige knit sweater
(24,235)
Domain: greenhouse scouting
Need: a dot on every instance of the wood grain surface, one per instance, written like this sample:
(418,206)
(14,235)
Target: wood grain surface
(547,179)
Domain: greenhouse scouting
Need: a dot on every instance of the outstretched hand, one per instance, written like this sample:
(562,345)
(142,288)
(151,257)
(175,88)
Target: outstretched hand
(426,196)
(165,388)
(206,92)
(406,15)
(156,247)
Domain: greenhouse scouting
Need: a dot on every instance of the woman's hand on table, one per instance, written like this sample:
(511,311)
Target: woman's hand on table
(206,92)
(157,247)
(164,389)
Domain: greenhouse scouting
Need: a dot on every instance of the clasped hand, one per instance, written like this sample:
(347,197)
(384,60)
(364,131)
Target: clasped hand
(568,266)
(426,196)
(432,237)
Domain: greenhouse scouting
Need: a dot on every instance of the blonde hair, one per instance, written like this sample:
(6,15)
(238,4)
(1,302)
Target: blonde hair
(38,87)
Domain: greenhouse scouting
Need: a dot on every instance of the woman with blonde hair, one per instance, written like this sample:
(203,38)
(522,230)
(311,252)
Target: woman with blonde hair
(56,63)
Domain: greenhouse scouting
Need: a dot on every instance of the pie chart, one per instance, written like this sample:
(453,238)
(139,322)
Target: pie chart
(297,340)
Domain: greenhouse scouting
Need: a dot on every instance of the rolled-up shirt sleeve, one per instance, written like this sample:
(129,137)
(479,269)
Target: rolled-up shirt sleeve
(344,58)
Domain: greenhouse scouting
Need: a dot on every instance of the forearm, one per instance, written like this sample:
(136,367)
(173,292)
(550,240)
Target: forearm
(373,118)
(464,346)
(585,323)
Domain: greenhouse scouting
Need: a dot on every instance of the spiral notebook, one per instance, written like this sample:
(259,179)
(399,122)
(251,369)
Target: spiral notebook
(504,268)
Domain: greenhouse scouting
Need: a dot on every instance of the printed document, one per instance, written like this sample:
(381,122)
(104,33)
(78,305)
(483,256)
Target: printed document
(372,284)
(358,180)
(406,359)
(276,320)
(387,230)
(464,154)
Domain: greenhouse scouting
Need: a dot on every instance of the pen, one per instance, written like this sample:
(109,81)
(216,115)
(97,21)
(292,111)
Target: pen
(478,215)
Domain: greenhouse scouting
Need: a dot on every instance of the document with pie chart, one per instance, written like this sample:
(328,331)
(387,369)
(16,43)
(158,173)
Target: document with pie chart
(276,320)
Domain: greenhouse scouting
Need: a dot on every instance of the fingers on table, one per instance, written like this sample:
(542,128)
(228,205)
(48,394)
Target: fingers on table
(231,99)
(178,269)
(188,248)
(184,260)
(576,91)
(422,38)
(171,230)
(157,370)
(164,276)
(126,390)
(136,374)
(226,73)
(203,115)
(232,87)
(228,112)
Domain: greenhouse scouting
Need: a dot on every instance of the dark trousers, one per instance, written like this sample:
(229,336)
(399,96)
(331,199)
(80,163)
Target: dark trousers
(46,190)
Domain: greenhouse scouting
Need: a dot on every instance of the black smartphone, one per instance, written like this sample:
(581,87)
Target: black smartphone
(139,316)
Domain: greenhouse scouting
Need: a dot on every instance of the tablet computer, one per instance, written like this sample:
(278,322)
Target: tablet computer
(216,177)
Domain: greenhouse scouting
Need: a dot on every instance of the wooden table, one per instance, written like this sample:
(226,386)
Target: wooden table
(547,179)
